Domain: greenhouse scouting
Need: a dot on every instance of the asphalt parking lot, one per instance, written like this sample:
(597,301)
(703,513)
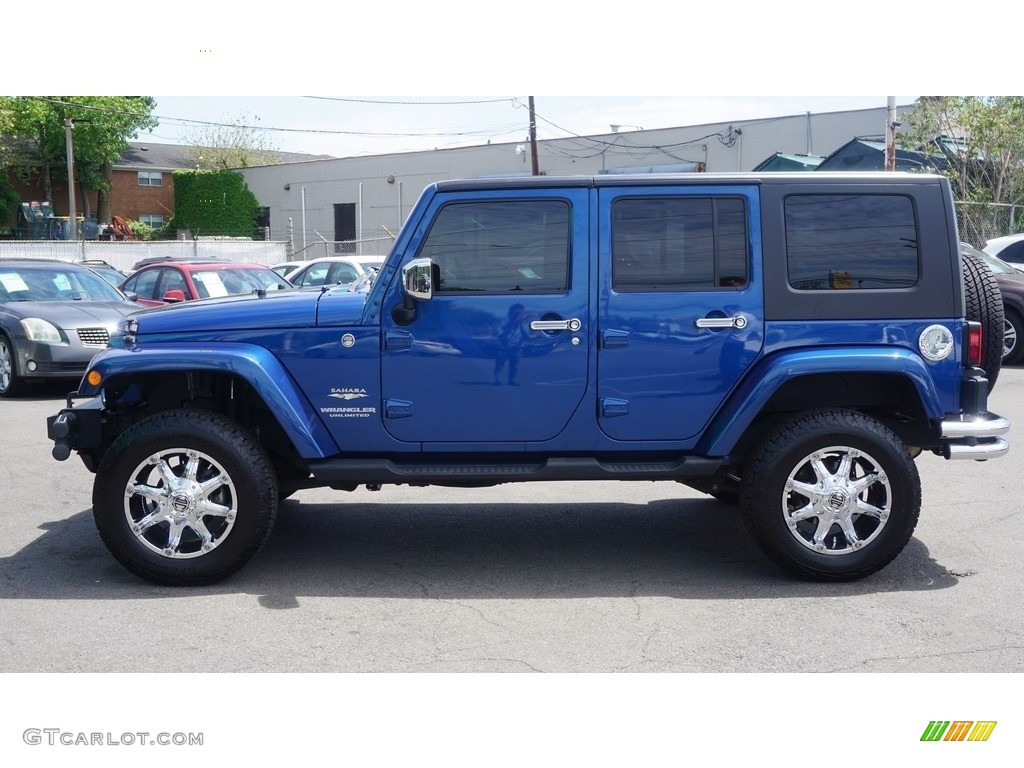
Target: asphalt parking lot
(601,577)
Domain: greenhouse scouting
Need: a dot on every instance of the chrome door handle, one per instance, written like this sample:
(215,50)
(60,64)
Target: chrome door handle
(556,325)
(739,321)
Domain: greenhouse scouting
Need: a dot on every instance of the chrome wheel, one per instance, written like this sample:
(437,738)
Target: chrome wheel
(837,500)
(11,384)
(831,495)
(6,366)
(180,503)
(1009,340)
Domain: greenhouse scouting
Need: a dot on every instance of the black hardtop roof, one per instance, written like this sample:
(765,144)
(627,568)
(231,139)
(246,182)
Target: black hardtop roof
(810,178)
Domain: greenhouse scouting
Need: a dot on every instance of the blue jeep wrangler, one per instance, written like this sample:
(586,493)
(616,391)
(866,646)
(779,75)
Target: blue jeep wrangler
(787,342)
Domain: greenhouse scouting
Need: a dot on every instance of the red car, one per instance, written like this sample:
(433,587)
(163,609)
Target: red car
(175,281)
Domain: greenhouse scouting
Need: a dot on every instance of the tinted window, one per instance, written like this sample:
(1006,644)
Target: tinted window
(1014,252)
(173,280)
(677,244)
(144,283)
(502,246)
(851,242)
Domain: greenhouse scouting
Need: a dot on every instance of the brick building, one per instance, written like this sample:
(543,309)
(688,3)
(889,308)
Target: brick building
(142,184)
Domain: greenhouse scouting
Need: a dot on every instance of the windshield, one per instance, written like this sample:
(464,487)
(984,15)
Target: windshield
(211,283)
(20,283)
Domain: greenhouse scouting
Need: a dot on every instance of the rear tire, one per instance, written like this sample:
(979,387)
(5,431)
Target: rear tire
(185,498)
(831,495)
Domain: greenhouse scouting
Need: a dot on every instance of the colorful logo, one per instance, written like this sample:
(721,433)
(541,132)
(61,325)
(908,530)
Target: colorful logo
(958,730)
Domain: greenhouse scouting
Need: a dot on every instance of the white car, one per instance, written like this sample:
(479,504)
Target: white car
(329,270)
(1009,248)
(286,268)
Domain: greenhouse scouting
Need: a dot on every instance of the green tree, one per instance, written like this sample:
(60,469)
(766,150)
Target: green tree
(103,126)
(8,197)
(235,144)
(216,203)
(982,139)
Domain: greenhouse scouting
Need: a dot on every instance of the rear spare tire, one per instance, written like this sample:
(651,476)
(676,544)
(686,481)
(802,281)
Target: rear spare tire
(983,303)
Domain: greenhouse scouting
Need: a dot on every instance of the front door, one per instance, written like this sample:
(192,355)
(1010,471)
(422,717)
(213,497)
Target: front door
(500,353)
(681,306)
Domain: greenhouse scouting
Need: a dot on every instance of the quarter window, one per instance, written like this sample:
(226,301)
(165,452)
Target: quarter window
(851,242)
(506,246)
(678,244)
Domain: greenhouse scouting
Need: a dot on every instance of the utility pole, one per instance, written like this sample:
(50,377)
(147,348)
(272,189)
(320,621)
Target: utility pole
(533,139)
(890,134)
(69,126)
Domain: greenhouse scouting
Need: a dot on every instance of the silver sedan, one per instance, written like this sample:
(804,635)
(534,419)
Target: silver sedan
(54,316)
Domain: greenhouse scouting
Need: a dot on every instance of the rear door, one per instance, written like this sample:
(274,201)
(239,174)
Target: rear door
(681,305)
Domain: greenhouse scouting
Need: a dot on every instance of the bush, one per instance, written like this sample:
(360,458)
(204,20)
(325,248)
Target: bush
(214,203)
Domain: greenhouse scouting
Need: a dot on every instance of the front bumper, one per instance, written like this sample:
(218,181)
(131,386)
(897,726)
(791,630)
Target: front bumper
(78,427)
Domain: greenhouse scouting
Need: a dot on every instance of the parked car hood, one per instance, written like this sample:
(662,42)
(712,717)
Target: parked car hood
(73,314)
(277,309)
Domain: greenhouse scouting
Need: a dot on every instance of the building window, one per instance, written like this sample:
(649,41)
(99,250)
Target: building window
(152,220)
(151,179)
(25,173)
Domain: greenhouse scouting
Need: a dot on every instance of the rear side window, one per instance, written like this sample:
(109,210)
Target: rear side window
(501,246)
(678,244)
(851,242)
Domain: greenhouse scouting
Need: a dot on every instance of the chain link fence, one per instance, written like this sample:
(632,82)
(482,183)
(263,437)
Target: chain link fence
(376,247)
(123,254)
(980,222)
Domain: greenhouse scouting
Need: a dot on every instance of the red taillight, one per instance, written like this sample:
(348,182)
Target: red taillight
(974,344)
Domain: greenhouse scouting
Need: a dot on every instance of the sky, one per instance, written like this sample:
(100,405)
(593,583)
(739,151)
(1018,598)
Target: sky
(368,125)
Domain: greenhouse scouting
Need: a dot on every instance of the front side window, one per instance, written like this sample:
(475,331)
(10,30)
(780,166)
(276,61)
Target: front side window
(851,242)
(143,284)
(678,244)
(504,246)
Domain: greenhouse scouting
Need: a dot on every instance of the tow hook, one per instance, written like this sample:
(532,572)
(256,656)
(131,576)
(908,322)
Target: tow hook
(60,433)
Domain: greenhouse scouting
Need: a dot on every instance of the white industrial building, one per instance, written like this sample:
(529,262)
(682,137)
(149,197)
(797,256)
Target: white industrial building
(357,204)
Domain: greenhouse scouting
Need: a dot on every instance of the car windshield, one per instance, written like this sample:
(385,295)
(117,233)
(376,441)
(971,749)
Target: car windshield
(56,283)
(211,283)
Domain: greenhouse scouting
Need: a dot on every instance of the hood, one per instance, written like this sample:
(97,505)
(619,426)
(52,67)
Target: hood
(71,315)
(278,309)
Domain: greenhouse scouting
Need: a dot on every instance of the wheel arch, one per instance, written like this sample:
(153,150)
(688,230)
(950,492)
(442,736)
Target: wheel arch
(254,389)
(892,385)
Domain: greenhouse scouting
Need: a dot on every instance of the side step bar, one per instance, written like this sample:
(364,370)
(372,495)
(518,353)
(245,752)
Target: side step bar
(344,473)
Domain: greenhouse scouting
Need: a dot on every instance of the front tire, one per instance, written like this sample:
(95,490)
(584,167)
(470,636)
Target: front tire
(185,498)
(11,384)
(831,495)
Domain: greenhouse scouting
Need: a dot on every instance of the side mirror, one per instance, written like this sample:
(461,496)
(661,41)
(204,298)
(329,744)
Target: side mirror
(417,285)
(418,280)
(174,295)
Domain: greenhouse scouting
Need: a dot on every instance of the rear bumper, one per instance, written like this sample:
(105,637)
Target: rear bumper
(975,437)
